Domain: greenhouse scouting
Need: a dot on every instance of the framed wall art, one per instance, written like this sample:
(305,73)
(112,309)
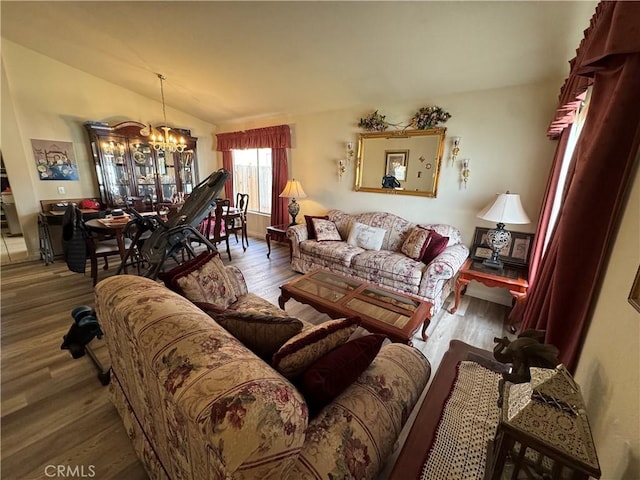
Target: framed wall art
(54,160)
(396,163)
(516,252)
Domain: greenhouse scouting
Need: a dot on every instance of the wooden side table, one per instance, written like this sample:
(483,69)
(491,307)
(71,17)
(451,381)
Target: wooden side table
(279,234)
(512,278)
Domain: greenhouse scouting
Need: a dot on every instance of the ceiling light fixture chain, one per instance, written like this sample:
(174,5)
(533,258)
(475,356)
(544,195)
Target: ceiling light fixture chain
(166,142)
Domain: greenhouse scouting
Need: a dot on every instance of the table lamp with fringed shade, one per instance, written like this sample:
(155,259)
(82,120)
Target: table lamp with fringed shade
(293,190)
(505,208)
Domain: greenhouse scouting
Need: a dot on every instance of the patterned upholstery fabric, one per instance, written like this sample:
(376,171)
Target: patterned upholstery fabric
(305,348)
(325,230)
(415,244)
(389,267)
(198,404)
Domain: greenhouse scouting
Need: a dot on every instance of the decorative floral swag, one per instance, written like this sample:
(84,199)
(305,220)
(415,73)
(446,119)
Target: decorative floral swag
(424,118)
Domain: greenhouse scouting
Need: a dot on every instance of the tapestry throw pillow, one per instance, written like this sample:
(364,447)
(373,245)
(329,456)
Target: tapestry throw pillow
(204,279)
(311,232)
(262,334)
(299,352)
(436,244)
(325,230)
(330,375)
(364,236)
(416,243)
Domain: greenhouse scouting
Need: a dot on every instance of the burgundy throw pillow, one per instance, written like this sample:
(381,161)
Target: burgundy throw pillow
(436,244)
(329,376)
(311,232)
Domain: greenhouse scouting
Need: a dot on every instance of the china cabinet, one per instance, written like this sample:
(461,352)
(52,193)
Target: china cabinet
(130,170)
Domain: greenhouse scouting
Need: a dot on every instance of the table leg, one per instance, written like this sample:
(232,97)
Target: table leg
(460,283)
(518,298)
(425,324)
(268,239)
(283,298)
(122,248)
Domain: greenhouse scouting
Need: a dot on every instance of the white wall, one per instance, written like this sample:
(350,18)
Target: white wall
(608,370)
(45,99)
(502,131)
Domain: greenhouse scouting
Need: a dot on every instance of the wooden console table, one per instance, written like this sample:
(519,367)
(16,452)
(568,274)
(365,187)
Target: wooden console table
(513,279)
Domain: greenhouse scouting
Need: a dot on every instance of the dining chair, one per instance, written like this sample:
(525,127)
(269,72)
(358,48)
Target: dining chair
(214,227)
(101,246)
(242,203)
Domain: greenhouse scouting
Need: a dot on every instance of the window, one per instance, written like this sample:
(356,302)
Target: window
(252,174)
(574,135)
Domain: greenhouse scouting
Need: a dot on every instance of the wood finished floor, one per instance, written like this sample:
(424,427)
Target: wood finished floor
(55,412)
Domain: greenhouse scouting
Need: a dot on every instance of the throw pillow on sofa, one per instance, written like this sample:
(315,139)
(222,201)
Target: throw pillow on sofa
(416,243)
(262,334)
(325,230)
(435,246)
(330,375)
(365,236)
(202,279)
(311,232)
(299,352)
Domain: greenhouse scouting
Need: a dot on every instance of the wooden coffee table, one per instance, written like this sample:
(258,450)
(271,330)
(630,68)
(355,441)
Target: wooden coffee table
(397,315)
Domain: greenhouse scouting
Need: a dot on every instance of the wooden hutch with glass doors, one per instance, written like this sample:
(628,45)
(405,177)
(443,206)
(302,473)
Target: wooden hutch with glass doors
(131,172)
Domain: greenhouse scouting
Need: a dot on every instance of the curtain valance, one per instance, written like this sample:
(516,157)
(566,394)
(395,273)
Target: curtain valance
(268,137)
(612,34)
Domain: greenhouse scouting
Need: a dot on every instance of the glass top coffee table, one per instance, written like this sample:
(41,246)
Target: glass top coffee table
(397,315)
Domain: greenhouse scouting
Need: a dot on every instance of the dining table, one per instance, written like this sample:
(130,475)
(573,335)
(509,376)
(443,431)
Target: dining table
(113,227)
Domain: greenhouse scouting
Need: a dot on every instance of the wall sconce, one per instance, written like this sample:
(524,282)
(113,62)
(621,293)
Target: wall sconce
(342,168)
(350,152)
(455,150)
(464,172)
(342,164)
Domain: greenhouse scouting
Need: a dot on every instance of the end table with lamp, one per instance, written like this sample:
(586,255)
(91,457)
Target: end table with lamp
(505,208)
(293,189)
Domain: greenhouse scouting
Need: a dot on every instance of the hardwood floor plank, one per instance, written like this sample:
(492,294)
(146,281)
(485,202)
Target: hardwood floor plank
(54,410)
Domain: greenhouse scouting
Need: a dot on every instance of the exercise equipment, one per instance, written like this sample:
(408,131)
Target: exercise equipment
(84,329)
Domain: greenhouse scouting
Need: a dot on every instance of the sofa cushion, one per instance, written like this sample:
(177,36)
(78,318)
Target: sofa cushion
(311,232)
(435,246)
(416,243)
(395,266)
(330,375)
(330,253)
(202,279)
(325,230)
(260,333)
(366,236)
(299,352)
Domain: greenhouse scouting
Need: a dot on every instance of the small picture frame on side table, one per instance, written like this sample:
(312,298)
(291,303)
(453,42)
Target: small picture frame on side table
(515,253)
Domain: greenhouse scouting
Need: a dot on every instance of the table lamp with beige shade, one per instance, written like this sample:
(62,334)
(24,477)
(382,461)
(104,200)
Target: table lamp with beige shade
(293,189)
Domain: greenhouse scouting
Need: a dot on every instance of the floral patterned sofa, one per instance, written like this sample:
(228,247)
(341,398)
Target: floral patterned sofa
(198,404)
(389,266)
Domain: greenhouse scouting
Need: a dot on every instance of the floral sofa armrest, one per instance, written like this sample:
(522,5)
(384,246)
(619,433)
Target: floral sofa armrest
(297,234)
(237,280)
(353,436)
(447,264)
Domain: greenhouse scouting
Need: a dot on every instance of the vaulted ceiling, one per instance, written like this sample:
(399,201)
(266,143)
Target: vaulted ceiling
(235,60)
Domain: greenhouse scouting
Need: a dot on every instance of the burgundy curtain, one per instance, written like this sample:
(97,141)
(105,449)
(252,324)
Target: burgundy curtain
(564,288)
(227,164)
(278,138)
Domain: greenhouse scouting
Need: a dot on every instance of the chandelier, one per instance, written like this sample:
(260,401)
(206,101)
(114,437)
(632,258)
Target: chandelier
(166,141)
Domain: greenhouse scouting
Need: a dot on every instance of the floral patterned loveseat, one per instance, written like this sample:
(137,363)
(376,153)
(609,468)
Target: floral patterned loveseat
(198,404)
(388,267)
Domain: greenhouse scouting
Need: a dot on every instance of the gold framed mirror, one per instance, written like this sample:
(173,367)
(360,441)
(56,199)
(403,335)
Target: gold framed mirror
(403,162)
